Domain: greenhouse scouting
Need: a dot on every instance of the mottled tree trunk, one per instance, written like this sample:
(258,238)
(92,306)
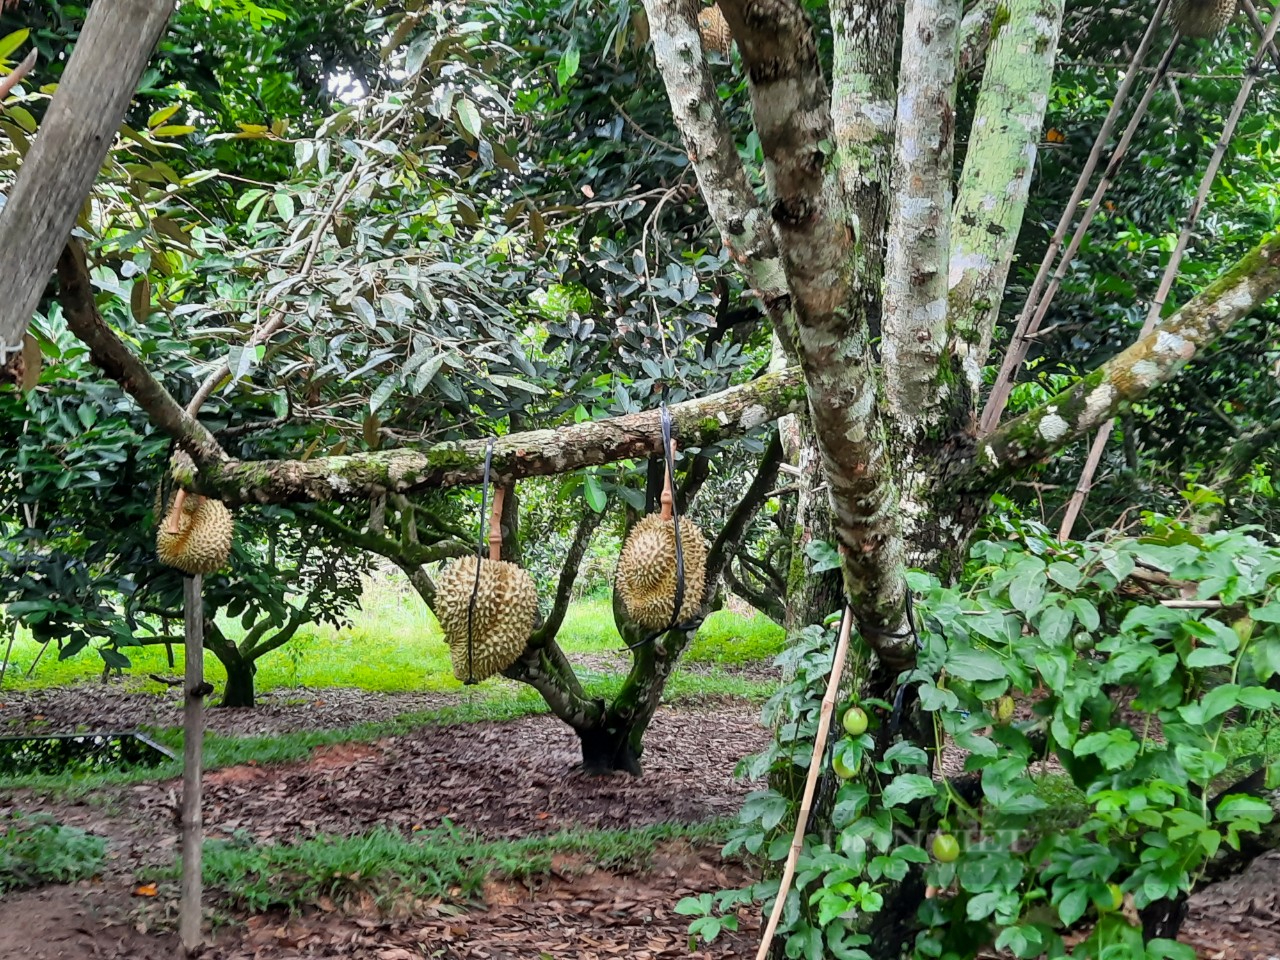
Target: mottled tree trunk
(240,669)
(811,596)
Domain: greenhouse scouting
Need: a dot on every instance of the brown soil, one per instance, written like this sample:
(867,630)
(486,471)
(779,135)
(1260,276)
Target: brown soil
(499,780)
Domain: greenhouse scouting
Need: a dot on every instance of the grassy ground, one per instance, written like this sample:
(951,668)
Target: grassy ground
(443,863)
(393,644)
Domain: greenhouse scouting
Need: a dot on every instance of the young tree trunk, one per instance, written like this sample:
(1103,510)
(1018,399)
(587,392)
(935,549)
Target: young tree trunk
(811,596)
(239,689)
(240,669)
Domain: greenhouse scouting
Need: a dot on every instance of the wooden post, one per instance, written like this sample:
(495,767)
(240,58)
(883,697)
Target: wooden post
(58,172)
(189,911)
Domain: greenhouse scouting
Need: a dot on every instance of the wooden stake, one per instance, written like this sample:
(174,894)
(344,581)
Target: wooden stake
(668,496)
(495,524)
(810,783)
(189,911)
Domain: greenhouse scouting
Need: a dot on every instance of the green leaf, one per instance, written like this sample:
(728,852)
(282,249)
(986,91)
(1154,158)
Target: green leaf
(1219,700)
(596,498)
(1065,574)
(974,664)
(1208,657)
(13,41)
(983,905)
(907,787)
(382,393)
(113,658)
(469,117)
(1073,905)
(823,555)
(1085,612)
(418,52)
(284,205)
(568,65)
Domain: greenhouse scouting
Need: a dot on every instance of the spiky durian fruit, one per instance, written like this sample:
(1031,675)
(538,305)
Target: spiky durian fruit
(506,606)
(714,30)
(1202,18)
(195,534)
(646,577)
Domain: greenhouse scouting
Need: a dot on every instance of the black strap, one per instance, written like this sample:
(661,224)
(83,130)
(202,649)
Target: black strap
(669,456)
(484,542)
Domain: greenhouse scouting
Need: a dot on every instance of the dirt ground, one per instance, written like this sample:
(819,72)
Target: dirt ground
(500,780)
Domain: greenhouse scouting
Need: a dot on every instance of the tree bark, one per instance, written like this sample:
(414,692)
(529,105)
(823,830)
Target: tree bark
(532,453)
(240,669)
(1136,371)
(59,169)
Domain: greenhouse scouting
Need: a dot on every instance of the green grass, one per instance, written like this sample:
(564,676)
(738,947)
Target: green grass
(392,645)
(35,849)
(444,863)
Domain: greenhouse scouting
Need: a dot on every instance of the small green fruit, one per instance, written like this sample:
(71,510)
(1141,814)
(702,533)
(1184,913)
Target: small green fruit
(1004,710)
(946,848)
(855,721)
(843,770)
(1117,899)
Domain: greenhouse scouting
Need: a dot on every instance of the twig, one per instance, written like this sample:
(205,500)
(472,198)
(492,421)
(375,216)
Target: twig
(810,783)
(20,71)
(278,316)
(4,667)
(642,131)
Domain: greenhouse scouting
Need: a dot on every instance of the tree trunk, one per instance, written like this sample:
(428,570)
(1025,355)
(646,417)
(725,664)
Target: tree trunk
(240,669)
(239,689)
(611,748)
(811,596)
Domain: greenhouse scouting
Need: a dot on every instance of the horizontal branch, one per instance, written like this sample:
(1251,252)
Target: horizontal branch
(1135,372)
(529,454)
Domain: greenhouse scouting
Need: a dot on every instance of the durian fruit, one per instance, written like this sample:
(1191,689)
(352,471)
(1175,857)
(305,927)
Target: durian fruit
(506,606)
(714,30)
(1202,18)
(195,534)
(646,577)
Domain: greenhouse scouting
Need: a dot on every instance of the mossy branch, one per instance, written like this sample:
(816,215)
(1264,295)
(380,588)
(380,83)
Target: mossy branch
(698,422)
(1135,372)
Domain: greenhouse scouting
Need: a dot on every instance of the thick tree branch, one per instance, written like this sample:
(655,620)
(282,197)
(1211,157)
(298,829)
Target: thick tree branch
(75,135)
(992,196)
(776,40)
(533,453)
(975,35)
(744,226)
(863,106)
(1135,372)
(587,525)
(117,361)
(915,283)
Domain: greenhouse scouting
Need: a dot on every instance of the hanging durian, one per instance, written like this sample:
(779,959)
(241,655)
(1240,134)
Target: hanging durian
(1202,18)
(646,576)
(486,639)
(714,30)
(195,535)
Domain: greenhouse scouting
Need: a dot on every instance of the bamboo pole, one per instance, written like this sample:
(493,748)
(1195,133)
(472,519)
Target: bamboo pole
(1085,483)
(810,783)
(189,911)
